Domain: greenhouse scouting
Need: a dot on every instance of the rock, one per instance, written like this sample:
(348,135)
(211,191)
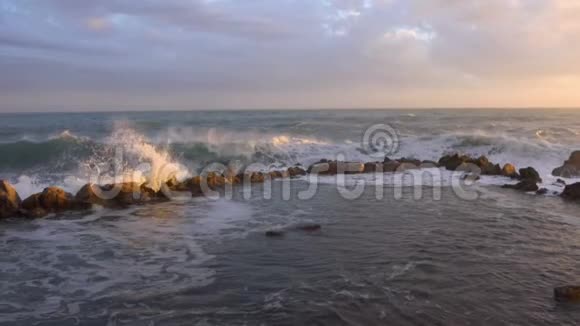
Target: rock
(452,162)
(572,192)
(570,168)
(531,174)
(567,293)
(372,167)
(51,200)
(542,191)
(561,182)
(412,161)
(174,185)
(258,177)
(391,166)
(117,195)
(274,233)
(9,200)
(278,174)
(491,169)
(334,168)
(309,227)
(429,164)
(509,170)
(525,185)
(296,172)
(407,167)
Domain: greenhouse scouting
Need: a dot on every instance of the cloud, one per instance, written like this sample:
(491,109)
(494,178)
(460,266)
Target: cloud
(285,53)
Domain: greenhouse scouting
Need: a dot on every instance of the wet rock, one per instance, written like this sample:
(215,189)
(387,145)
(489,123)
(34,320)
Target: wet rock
(570,168)
(117,195)
(452,162)
(175,185)
(561,182)
(411,161)
(309,227)
(429,164)
(372,167)
(274,233)
(542,191)
(278,174)
(9,200)
(572,191)
(509,170)
(391,166)
(51,200)
(530,174)
(296,172)
(491,169)
(334,168)
(258,177)
(525,185)
(567,293)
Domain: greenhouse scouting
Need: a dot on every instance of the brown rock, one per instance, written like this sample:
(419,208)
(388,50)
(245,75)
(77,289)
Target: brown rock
(571,167)
(9,200)
(572,192)
(334,167)
(452,162)
(51,200)
(296,172)
(117,195)
(372,167)
(509,170)
(391,166)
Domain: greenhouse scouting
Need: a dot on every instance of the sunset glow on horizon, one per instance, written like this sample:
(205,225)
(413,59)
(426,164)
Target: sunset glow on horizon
(70,55)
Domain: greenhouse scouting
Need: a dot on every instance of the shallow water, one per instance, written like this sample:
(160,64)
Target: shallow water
(493,260)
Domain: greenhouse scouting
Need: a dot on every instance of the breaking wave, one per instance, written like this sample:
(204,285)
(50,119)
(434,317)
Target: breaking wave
(70,161)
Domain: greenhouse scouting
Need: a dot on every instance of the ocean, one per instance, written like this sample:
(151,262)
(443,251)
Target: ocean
(384,256)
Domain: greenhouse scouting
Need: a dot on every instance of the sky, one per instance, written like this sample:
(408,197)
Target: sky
(80,55)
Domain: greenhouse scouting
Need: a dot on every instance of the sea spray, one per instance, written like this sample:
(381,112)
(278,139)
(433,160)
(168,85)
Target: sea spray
(130,157)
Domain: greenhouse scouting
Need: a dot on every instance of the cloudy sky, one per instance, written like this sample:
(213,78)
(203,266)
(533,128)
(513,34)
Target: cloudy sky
(228,54)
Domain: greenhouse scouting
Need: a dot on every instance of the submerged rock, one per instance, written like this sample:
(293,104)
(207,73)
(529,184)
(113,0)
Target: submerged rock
(567,293)
(274,233)
(9,200)
(572,191)
(309,227)
(570,168)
